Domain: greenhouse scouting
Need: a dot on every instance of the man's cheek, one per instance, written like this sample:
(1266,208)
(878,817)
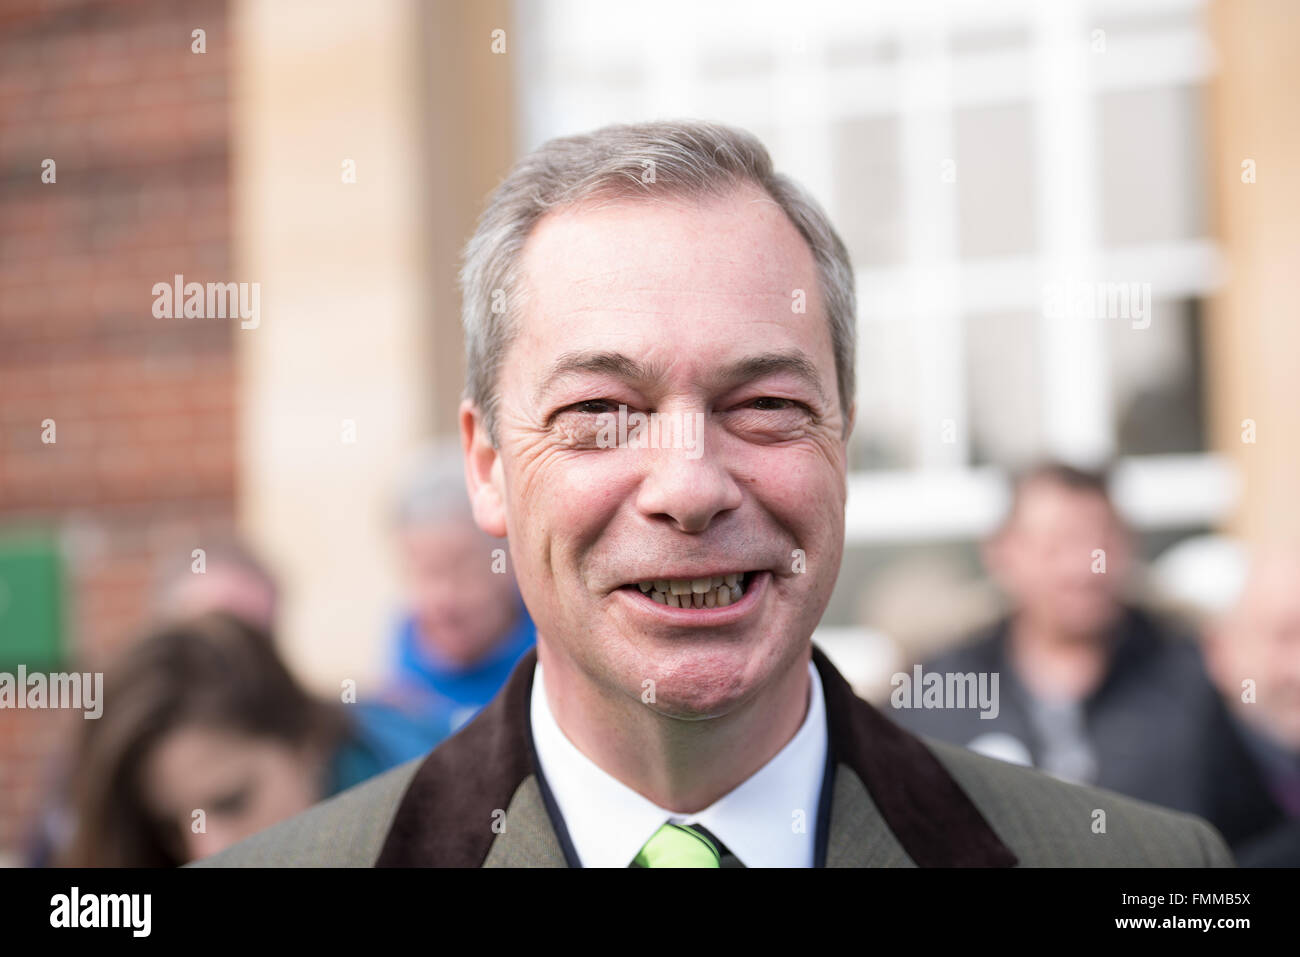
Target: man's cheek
(816,517)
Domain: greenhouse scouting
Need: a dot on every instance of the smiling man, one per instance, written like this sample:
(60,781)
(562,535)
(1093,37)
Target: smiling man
(675,712)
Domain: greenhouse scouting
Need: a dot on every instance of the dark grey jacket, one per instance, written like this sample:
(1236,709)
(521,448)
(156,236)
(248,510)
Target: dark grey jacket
(1146,722)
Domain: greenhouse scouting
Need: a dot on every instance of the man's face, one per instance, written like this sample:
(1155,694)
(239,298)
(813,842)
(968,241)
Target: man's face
(684,310)
(462,608)
(1260,643)
(1045,559)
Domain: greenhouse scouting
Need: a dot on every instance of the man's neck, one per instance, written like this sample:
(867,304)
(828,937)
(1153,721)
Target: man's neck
(1055,665)
(681,765)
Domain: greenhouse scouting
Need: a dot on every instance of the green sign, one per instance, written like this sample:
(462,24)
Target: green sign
(31,603)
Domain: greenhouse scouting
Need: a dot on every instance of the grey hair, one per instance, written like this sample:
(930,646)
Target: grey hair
(433,491)
(687,159)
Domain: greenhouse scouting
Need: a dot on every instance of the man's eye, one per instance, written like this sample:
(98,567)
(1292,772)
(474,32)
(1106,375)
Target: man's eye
(592,407)
(770,403)
(581,424)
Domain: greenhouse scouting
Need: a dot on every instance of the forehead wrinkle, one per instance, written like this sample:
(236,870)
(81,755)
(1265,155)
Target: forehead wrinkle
(617,309)
(782,295)
(646,280)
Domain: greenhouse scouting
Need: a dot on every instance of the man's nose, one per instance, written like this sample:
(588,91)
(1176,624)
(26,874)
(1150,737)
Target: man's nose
(688,488)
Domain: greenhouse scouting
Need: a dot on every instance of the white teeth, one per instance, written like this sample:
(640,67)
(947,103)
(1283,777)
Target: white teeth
(661,597)
(680,586)
(701,585)
(730,580)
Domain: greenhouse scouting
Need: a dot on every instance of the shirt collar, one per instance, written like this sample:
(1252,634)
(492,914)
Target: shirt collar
(769,820)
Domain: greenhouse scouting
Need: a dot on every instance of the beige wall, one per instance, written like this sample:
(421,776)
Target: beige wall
(471,144)
(1253,335)
(359,307)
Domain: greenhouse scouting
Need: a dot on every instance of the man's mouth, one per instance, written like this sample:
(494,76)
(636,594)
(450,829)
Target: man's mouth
(714,591)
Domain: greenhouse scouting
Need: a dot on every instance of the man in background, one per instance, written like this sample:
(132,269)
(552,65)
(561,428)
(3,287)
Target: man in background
(1091,688)
(1252,747)
(465,626)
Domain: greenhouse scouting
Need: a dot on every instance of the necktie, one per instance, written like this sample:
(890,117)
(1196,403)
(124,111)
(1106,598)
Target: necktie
(684,845)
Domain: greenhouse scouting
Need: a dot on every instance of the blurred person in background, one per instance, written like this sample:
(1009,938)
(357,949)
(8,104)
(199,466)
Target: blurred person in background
(233,580)
(1092,689)
(203,716)
(1252,747)
(465,625)
(236,582)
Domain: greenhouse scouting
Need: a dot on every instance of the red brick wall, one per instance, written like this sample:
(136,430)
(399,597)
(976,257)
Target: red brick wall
(143,467)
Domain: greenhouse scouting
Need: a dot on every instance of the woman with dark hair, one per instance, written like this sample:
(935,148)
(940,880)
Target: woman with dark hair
(206,738)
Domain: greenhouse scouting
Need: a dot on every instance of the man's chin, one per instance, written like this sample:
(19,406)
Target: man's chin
(1085,622)
(707,677)
(697,703)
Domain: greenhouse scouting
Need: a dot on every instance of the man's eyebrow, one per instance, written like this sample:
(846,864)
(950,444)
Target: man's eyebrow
(613,364)
(771,363)
(620,366)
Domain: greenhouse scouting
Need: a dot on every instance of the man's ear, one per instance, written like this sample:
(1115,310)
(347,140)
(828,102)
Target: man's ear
(483,476)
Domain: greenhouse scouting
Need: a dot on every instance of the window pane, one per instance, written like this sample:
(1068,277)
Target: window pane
(995,181)
(1004,388)
(1151,163)
(1156,381)
(869,190)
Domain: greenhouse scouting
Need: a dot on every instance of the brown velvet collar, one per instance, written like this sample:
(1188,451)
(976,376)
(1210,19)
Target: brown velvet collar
(446,817)
(929,813)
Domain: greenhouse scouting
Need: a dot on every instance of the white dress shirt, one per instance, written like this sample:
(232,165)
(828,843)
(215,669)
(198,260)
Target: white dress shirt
(768,820)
